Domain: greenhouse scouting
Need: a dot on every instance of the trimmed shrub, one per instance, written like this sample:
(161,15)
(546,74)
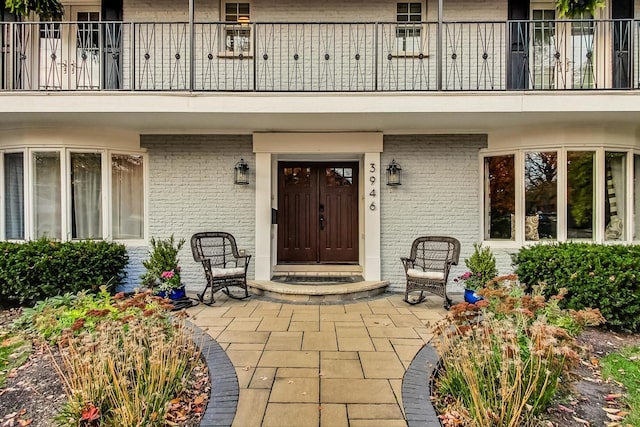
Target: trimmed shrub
(43,268)
(600,276)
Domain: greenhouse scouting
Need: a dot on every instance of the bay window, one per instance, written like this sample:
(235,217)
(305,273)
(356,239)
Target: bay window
(561,194)
(67,194)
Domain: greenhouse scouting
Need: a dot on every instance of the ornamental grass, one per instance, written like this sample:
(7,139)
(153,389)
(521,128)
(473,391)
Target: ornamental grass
(504,358)
(122,361)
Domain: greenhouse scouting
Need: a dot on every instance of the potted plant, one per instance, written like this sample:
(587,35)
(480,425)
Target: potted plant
(163,271)
(578,8)
(482,269)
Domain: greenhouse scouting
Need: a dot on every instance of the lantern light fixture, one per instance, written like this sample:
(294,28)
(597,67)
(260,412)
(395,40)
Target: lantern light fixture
(394,173)
(241,173)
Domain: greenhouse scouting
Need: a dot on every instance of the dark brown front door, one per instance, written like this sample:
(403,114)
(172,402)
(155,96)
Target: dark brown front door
(317,212)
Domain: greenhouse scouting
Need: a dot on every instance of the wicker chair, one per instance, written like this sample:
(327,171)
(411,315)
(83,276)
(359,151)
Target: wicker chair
(427,269)
(223,266)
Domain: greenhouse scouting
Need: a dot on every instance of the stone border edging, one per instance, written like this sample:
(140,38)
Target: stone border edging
(416,393)
(223,399)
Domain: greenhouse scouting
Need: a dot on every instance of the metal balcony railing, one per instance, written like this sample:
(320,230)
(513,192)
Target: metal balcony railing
(320,57)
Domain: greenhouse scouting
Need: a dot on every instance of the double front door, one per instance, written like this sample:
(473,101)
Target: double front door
(317,212)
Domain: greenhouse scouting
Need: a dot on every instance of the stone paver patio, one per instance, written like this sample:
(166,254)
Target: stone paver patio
(319,365)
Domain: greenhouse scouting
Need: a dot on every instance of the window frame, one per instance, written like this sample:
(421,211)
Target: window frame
(562,182)
(227,26)
(65,191)
(25,218)
(421,25)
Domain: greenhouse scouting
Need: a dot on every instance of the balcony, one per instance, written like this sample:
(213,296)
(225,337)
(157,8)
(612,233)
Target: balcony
(320,57)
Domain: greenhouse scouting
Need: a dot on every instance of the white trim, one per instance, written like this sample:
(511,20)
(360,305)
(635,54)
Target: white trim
(263,259)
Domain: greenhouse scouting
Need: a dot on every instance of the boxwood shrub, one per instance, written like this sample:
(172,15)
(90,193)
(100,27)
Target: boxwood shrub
(598,276)
(43,268)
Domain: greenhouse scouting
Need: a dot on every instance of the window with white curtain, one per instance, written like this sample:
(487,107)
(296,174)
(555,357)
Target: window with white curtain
(86,195)
(67,194)
(127,196)
(14,196)
(47,197)
(636,196)
(615,195)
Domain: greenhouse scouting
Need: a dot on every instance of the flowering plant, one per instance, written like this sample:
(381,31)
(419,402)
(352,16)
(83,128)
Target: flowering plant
(482,268)
(169,280)
(163,271)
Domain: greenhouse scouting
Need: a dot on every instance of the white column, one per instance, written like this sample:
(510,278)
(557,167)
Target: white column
(263,216)
(372,174)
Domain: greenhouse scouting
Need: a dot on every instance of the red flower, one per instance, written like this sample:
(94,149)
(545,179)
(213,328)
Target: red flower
(90,414)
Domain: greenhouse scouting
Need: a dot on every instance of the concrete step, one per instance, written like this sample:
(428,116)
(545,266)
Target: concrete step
(316,293)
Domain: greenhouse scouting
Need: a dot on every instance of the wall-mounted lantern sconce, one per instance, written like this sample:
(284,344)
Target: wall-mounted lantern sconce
(241,173)
(394,173)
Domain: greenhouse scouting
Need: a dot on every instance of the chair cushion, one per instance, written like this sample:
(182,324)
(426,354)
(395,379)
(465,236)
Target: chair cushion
(419,274)
(227,272)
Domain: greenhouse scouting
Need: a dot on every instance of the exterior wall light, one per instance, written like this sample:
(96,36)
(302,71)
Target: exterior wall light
(241,173)
(394,173)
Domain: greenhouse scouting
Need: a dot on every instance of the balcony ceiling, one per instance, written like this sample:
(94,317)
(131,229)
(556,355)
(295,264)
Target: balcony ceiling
(154,113)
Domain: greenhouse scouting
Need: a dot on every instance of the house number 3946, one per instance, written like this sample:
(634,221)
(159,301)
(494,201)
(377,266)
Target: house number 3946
(372,179)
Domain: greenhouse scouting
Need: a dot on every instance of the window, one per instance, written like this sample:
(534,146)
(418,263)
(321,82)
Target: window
(127,196)
(14,195)
(580,194)
(47,199)
(409,29)
(615,195)
(237,31)
(562,194)
(544,48)
(499,197)
(86,196)
(636,196)
(541,195)
(73,195)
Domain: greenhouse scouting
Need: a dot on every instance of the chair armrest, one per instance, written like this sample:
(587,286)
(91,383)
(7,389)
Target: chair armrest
(407,262)
(246,259)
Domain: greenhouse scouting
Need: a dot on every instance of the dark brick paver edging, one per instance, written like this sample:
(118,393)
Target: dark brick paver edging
(416,393)
(223,400)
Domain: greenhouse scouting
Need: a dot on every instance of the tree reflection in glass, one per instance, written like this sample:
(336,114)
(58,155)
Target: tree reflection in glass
(580,198)
(541,195)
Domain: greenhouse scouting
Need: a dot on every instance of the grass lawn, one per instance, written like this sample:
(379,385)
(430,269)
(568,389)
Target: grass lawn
(624,367)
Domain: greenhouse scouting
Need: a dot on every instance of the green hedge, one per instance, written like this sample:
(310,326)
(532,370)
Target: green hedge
(39,269)
(598,276)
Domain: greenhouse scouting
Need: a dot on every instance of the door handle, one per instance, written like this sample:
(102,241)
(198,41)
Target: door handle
(321,222)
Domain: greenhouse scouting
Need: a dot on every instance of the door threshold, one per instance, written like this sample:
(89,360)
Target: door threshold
(318,269)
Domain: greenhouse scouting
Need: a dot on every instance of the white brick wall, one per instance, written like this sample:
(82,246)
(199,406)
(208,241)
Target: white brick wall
(191,189)
(305,11)
(438,196)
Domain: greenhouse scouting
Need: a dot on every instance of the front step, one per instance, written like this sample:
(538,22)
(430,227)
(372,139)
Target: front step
(317,294)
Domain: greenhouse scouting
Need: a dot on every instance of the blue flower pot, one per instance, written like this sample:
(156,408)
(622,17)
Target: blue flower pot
(177,293)
(471,297)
